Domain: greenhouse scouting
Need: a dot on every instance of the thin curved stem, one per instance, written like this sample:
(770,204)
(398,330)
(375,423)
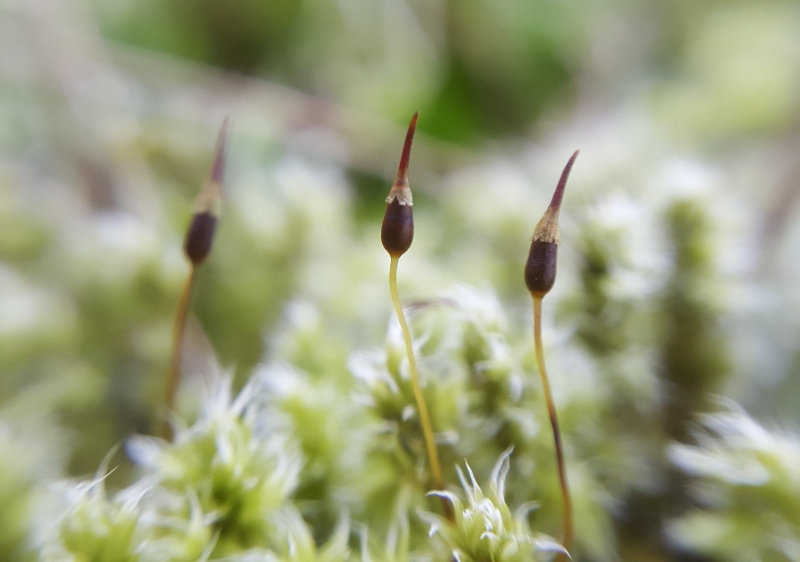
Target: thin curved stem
(425,420)
(551,411)
(176,360)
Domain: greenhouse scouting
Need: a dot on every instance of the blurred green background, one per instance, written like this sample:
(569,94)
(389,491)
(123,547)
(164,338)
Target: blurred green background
(108,114)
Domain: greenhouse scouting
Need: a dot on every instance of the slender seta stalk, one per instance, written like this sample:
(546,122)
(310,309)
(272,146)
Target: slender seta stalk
(540,276)
(176,358)
(397,233)
(551,412)
(425,420)
(196,247)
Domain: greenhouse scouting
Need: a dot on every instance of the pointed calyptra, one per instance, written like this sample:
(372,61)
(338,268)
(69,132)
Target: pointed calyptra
(540,269)
(200,235)
(397,230)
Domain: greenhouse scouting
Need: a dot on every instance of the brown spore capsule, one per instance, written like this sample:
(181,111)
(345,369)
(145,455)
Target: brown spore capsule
(540,269)
(200,237)
(397,229)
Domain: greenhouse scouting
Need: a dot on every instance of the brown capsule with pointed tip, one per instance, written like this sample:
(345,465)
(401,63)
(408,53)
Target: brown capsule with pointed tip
(200,235)
(540,269)
(397,229)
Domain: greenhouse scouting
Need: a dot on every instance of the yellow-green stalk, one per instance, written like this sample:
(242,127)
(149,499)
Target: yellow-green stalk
(540,276)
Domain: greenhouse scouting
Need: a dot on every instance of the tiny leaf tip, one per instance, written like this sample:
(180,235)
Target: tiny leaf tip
(558,194)
(402,169)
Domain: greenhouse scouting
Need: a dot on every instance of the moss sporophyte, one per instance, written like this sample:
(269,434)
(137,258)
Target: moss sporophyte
(397,233)
(540,276)
(197,246)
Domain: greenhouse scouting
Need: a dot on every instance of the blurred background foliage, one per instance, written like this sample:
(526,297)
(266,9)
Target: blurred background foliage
(678,265)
